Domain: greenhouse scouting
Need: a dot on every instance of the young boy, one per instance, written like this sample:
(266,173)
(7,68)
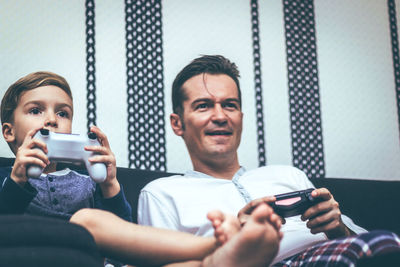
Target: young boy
(44,100)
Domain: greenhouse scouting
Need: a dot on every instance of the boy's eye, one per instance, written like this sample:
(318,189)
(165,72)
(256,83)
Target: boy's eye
(34,111)
(63,114)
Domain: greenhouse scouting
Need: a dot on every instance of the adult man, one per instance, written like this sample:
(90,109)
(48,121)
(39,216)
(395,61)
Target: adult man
(207,115)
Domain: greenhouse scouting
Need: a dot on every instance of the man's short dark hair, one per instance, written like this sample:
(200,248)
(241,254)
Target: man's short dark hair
(215,64)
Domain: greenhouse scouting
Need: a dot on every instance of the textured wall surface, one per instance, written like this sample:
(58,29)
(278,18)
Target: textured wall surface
(329,63)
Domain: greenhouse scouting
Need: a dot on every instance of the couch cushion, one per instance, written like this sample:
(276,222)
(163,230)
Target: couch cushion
(372,204)
(40,241)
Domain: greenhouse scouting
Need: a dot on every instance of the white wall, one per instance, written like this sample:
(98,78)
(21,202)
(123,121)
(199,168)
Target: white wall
(360,121)
(359,113)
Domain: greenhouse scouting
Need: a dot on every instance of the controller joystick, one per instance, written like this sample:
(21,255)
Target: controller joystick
(44,132)
(69,148)
(92,136)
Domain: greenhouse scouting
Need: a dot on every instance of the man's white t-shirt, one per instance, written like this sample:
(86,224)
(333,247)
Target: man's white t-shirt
(182,202)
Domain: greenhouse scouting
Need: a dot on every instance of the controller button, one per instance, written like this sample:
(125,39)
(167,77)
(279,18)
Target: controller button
(51,179)
(55,201)
(44,131)
(52,189)
(92,135)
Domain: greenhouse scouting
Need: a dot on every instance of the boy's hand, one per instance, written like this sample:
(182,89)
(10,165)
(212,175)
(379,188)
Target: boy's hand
(29,154)
(110,187)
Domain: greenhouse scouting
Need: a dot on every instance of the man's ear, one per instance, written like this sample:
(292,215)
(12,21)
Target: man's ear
(8,132)
(176,124)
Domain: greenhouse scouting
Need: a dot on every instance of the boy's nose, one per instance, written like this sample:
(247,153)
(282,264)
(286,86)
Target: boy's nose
(51,120)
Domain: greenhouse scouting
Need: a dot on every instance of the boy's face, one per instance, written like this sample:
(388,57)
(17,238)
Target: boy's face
(43,107)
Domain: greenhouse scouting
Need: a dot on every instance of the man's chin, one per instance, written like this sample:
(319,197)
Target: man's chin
(220,151)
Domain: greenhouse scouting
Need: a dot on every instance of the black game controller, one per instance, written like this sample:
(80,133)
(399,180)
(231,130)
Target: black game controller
(294,203)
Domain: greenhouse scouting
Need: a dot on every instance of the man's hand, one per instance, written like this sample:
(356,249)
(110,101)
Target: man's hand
(31,152)
(325,216)
(110,187)
(245,212)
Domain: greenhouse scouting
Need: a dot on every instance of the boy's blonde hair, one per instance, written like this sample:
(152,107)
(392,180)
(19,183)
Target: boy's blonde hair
(29,82)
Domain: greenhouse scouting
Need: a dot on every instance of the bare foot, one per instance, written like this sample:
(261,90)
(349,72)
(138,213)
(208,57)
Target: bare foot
(225,226)
(255,245)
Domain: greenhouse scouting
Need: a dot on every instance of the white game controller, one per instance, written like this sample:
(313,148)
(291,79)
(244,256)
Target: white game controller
(70,148)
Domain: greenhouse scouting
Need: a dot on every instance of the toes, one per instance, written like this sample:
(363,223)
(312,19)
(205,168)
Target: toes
(215,215)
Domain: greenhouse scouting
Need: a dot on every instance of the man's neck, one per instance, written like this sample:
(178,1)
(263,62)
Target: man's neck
(225,170)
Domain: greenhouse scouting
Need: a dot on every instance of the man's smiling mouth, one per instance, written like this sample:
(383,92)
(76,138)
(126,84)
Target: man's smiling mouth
(219,133)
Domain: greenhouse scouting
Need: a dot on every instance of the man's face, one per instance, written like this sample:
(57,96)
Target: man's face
(43,107)
(212,117)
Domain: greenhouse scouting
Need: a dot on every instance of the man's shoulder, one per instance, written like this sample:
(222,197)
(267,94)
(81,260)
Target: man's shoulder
(276,169)
(180,183)
(164,182)
(274,173)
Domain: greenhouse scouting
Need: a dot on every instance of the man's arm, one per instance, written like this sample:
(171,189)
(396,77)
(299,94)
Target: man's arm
(326,217)
(336,224)
(328,221)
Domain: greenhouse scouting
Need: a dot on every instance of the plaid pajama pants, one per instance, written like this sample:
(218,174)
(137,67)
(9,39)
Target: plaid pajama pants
(346,251)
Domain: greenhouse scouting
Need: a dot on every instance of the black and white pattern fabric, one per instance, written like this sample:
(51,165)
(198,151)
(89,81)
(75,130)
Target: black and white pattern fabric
(395,51)
(305,114)
(90,64)
(144,61)
(262,160)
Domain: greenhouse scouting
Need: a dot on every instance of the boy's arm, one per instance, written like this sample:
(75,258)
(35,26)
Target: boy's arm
(110,196)
(16,193)
(110,187)
(31,152)
(116,204)
(14,199)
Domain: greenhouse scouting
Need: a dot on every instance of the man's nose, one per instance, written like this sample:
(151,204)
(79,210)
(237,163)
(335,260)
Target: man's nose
(219,115)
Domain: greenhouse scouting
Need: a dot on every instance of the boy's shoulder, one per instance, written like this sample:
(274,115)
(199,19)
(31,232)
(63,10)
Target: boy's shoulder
(5,167)
(4,172)
(6,162)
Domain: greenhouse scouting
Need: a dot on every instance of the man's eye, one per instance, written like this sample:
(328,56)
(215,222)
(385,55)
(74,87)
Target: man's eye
(34,111)
(231,105)
(202,106)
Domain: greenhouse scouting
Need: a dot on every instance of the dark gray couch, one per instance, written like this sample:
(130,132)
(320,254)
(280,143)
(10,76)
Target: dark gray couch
(371,204)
